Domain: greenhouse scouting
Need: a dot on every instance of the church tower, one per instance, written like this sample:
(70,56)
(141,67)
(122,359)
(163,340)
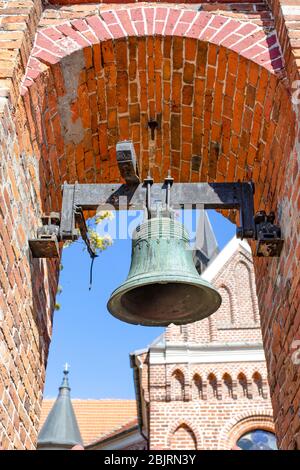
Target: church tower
(60,430)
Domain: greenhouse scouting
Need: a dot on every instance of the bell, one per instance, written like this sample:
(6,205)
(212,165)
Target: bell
(163,285)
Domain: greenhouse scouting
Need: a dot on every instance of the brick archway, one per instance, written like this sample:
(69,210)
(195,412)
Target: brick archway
(217,84)
(224,114)
(243,423)
(214,85)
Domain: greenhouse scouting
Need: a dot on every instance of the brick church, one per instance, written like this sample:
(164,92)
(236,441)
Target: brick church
(221,80)
(198,386)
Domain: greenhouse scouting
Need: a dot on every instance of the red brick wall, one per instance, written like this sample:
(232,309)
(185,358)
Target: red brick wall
(224,117)
(279,294)
(26,288)
(238,318)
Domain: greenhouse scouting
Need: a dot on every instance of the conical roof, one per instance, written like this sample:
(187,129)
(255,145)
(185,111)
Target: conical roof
(60,429)
(206,246)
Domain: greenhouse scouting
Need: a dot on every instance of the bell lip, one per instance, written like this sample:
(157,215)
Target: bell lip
(131,319)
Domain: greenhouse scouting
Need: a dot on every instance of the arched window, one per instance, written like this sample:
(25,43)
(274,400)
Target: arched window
(183,439)
(257,379)
(243,292)
(258,439)
(212,386)
(227,385)
(224,315)
(197,388)
(177,385)
(242,383)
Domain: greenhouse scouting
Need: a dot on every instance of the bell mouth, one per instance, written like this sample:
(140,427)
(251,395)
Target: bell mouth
(162,303)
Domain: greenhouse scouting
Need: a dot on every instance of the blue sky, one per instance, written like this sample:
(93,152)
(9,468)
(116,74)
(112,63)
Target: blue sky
(85,335)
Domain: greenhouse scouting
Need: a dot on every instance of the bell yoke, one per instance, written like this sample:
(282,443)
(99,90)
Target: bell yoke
(163,285)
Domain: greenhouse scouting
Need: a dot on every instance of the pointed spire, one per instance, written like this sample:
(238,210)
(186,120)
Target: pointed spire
(60,430)
(206,246)
(65,381)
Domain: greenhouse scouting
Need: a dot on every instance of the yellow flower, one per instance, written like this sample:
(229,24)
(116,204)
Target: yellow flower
(99,243)
(102,215)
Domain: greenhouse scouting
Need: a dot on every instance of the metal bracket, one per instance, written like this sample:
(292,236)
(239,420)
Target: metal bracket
(127,162)
(78,198)
(46,243)
(192,195)
(268,235)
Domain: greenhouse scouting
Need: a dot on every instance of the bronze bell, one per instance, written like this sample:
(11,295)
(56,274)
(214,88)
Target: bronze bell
(163,285)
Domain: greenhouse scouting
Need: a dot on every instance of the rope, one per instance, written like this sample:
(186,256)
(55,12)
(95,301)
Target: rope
(91,271)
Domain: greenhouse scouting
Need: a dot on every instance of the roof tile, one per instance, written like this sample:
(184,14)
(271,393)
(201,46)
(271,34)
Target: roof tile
(97,418)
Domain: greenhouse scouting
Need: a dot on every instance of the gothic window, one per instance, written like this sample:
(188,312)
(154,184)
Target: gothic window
(197,387)
(258,439)
(183,439)
(257,379)
(243,285)
(177,385)
(242,383)
(212,386)
(227,382)
(224,315)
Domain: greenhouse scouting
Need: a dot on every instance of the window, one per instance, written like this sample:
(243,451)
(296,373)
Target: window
(177,385)
(257,440)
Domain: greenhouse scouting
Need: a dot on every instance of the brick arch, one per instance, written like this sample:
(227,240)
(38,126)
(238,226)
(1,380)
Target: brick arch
(247,261)
(181,65)
(242,371)
(227,385)
(249,40)
(187,423)
(177,383)
(213,371)
(183,438)
(212,386)
(197,387)
(226,314)
(242,423)
(174,369)
(242,383)
(244,283)
(244,260)
(258,382)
